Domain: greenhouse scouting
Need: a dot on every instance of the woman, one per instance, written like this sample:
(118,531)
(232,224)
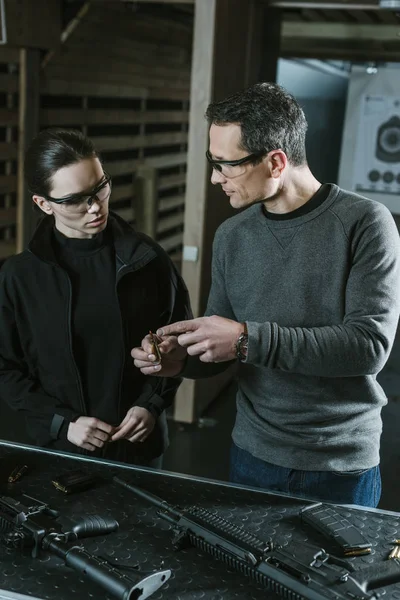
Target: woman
(85,292)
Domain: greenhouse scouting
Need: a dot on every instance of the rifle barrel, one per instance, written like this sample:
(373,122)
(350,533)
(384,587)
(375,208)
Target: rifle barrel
(148,497)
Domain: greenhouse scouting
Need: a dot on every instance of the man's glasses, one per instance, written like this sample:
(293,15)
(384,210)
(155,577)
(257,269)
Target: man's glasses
(232,168)
(100,193)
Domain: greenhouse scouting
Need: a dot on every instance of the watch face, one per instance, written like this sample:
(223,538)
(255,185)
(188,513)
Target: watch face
(241,346)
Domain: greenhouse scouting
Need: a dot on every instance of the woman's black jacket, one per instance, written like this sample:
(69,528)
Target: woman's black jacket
(38,373)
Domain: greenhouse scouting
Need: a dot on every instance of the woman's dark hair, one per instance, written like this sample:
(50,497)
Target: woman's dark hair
(269,118)
(50,151)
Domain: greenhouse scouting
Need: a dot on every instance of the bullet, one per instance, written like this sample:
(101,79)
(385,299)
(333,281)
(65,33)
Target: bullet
(17,473)
(395,552)
(359,552)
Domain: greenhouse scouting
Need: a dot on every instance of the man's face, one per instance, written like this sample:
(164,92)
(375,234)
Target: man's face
(244,184)
(78,220)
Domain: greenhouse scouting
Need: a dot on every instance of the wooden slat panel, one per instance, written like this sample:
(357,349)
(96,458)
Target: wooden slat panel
(122,167)
(9,54)
(167,160)
(146,201)
(33,23)
(8,83)
(171,242)
(126,142)
(52,116)
(360,16)
(311,14)
(8,216)
(386,16)
(176,257)
(7,248)
(82,74)
(8,117)
(119,192)
(361,52)
(28,128)
(8,150)
(117,47)
(339,32)
(135,75)
(154,56)
(147,28)
(170,181)
(8,184)
(171,202)
(166,223)
(72,59)
(183,8)
(126,213)
(336,16)
(130,30)
(294,15)
(74,86)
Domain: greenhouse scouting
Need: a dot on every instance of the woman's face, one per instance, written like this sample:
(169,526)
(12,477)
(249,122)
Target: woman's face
(78,219)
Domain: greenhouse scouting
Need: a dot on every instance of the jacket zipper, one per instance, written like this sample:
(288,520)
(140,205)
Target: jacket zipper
(122,330)
(117,280)
(78,377)
(128,270)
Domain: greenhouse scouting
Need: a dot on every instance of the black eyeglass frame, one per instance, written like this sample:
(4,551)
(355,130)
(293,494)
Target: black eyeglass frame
(218,164)
(77,198)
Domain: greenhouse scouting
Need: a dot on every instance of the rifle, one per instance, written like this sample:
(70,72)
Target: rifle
(296,572)
(36,526)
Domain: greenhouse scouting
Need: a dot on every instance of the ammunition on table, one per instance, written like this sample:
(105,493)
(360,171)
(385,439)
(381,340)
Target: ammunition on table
(60,487)
(357,552)
(17,473)
(395,552)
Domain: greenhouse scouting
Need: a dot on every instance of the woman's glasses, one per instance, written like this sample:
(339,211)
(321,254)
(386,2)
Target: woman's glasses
(100,193)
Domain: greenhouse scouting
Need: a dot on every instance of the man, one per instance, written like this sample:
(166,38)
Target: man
(305,293)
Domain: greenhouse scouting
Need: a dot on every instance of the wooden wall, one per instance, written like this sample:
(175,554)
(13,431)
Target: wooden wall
(122,76)
(9,58)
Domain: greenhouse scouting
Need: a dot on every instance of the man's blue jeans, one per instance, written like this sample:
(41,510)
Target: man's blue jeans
(354,487)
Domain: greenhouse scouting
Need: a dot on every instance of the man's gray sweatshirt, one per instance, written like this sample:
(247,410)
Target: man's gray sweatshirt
(320,294)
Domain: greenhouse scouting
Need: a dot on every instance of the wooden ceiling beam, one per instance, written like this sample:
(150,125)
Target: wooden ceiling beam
(341,31)
(344,54)
(299,4)
(147,1)
(312,14)
(360,16)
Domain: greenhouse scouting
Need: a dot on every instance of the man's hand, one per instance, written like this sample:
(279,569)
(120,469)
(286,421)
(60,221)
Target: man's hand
(172,357)
(213,339)
(137,425)
(89,433)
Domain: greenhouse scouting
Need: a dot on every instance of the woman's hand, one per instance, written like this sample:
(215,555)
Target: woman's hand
(89,433)
(173,356)
(136,426)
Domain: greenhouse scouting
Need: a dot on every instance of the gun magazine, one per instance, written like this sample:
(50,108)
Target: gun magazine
(246,569)
(5,525)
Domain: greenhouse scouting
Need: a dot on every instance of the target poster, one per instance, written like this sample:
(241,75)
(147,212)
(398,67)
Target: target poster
(377,152)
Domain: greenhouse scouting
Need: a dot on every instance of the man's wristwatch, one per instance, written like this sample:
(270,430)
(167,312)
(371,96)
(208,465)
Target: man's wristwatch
(242,344)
